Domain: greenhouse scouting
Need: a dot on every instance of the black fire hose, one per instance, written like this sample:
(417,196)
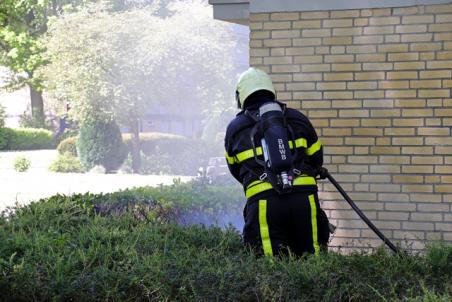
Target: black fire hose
(323,173)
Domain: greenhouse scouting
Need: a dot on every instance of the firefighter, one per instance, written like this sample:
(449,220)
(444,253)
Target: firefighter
(275,222)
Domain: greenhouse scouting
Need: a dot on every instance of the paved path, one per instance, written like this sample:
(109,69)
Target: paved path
(39,183)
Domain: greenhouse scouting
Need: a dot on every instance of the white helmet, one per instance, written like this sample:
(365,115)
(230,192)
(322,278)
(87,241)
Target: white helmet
(251,81)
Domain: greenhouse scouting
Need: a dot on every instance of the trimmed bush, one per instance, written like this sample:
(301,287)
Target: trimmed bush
(72,248)
(21,164)
(68,146)
(100,143)
(66,163)
(173,154)
(25,139)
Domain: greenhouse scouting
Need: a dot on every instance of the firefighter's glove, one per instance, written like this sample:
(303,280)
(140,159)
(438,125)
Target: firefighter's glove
(322,173)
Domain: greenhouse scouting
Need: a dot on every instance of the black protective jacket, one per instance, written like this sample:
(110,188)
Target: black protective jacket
(240,155)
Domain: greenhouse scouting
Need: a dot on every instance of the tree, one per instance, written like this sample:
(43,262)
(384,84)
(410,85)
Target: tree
(118,64)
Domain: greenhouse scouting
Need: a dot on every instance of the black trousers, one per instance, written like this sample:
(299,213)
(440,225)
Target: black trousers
(279,223)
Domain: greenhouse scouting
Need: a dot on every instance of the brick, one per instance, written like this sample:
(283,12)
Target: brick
(255,61)
(362,85)
(362,159)
(393,48)
(407,179)
(361,22)
(393,197)
(406,207)
(285,68)
(425,84)
(378,12)
(284,16)
(368,40)
(338,95)
(306,24)
(379,30)
(433,207)
(344,122)
(436,74)
(384,21)
(393,84)
(337,41)
(443,18)
(392,39)
(399,131)
(433,131)
(337,131)
(315,67)
(277,60)
(417,112)
(354,113)
(416,37)
(443,112)
(302,77)
(338,23)
(400,93)
(259,52)
(338,150)
(396,75)
(255,43)
(309,33)
(337,50)
(376,122)
(425,46)
(447,84)
(393,216)
(434,93)
(439,65)
(369,94)
(277,42)
(347,104)
(426,217)
(409,65)
(344,76)
(259,17)
(353,169)
(307,42)
(446,227)
(363,76)
(413,10)
(308,95)
(322,114)
(371,58)
(403,29)
(260,35)
(316,104)
(378,103)
(385,150)
(385,168)
(276,25)
(351,31)
(410,103)
(300,86)
(367,132)
(299,51)
(383,141)
(417,150)
(418,19)
(315,15)
(256,25)
(421,226)
(407,141)
(384,188)
(362,49)
(331,86)
(417,169)
(338,58)
(377,66)
(281,78)
(278,34)
(445,8)
(307,59)
(445,27)
(345,14)
(432,179)
(394,160)
(417,188)
(346,67)
(443,37)
(408,56)
(408,122)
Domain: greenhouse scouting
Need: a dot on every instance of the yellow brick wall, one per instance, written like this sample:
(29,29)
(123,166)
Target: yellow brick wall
(376,84)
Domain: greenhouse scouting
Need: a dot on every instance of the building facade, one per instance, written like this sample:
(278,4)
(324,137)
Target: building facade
(375,78)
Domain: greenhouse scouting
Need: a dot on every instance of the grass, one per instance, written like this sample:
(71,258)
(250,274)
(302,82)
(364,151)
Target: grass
(127,247)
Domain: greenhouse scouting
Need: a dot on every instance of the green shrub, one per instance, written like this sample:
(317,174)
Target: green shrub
(27,120)
(100,143)
(173,154)
(25,139)
(21,164)
(68,145)
(66,163)
(59,249)
(2,116)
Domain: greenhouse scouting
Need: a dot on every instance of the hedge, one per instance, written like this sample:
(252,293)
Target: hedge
(25,139)
(79,248)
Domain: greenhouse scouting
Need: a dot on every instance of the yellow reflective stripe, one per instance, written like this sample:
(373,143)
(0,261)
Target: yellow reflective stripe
(265,233)
(315,241)
(300,142)
(230,159)
(314,148)
(258,189)
(248,154)
(259,186)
